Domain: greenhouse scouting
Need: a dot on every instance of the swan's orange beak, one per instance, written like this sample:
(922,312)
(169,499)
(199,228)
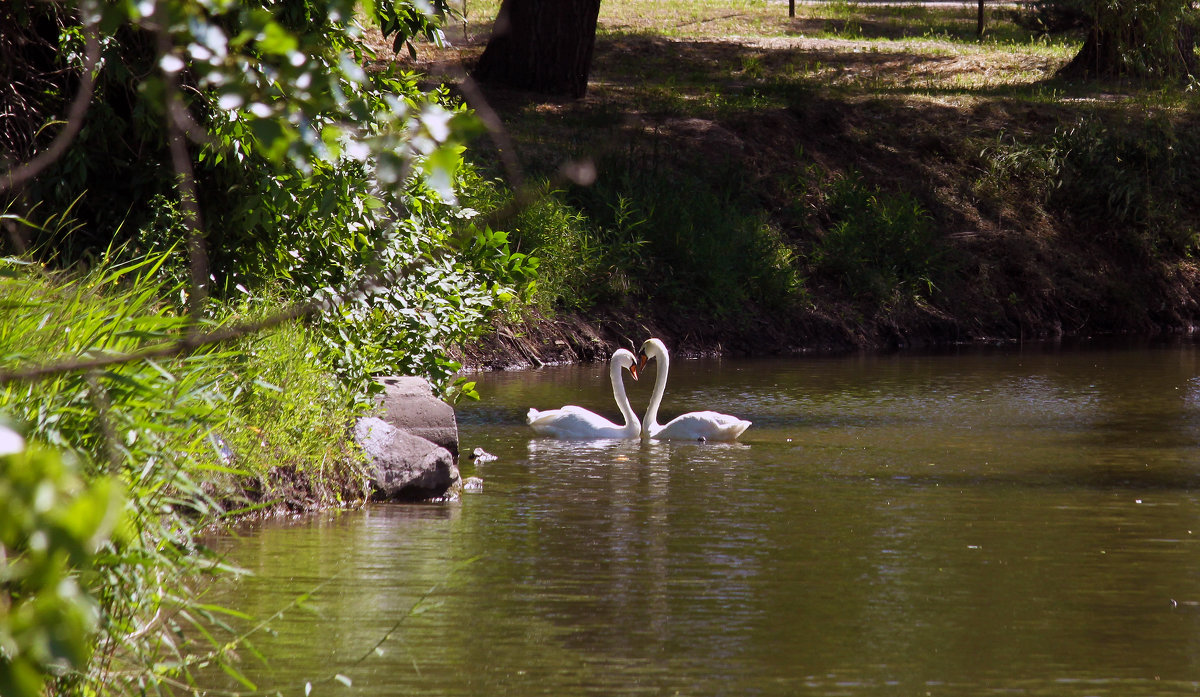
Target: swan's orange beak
(642,358)
(633,370)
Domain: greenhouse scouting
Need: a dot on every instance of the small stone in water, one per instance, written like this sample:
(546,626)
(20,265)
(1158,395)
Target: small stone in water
(480,456)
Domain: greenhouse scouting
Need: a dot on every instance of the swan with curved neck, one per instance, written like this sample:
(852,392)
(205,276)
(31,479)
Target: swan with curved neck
(696,425)
(579,423)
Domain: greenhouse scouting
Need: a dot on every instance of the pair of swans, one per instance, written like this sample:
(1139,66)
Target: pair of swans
(577,422)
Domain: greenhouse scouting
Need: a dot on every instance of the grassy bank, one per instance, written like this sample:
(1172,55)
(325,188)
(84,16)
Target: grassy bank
(124,463)
(858,176)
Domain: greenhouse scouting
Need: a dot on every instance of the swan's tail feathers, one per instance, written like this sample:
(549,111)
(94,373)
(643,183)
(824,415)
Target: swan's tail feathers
(729,427)
(544,423)
(738,428)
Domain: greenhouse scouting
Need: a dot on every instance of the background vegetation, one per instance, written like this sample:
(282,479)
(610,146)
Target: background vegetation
(259,214)
(218,229)
(890,176)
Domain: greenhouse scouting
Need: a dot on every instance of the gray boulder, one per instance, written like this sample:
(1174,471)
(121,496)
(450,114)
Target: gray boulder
(404,466)
(408,403)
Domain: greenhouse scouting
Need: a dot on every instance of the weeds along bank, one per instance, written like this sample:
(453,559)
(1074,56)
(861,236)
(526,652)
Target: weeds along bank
(240,233)
(134,442)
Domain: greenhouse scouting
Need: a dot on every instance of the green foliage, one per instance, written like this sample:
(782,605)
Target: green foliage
(513,274)
(699,240)
(551,238)
(1016,170)
(404,22)
(313,174)
(687,241)
(1134,38)
(1134,179)
(52,525)
(285,407)
(878,246)
(1146,35)
(1129,179)
(182,435)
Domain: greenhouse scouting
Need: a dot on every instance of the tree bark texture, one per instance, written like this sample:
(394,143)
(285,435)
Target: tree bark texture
(541,46)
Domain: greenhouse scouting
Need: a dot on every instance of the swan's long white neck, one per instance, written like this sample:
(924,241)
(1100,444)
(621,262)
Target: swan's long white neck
(658,352)
(618,385)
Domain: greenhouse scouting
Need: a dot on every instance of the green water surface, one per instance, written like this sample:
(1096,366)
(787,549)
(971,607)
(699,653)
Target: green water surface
(984,522)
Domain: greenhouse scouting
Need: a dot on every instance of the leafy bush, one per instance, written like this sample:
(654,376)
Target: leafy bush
(1018,170)
(688,240)
(312,174)
(878,246)
(558,238)
(1132,179)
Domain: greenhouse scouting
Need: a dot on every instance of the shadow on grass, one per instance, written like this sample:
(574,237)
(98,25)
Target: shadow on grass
(653,74)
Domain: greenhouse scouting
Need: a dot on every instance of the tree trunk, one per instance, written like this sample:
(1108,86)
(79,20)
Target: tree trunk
(1102,56)
(542,46)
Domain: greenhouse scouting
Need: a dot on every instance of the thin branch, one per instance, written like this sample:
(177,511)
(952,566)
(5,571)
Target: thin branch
(178,125)
(193,340)
(79,106)
(495,127)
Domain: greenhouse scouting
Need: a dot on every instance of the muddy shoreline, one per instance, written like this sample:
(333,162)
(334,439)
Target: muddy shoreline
(571,338)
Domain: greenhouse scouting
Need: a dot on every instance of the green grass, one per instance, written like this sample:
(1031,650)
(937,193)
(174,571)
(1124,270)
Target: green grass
(183,437)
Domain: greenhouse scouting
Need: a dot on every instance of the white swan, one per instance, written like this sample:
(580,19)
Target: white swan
(696,425)
(576,422)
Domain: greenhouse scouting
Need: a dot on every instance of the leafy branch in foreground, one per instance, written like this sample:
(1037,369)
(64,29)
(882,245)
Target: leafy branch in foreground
(240,160)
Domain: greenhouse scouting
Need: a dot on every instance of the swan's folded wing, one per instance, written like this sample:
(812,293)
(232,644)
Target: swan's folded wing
(572,422)
(706,425)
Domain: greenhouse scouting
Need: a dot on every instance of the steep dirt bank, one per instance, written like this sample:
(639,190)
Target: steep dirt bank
(1018,257)
(1016,268)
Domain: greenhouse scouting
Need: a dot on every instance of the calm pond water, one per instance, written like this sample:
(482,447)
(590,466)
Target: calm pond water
(1021,521)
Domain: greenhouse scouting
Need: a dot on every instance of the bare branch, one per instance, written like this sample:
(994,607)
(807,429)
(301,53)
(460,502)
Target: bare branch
(491,121)
(83,99)
(179,122)
(193,340)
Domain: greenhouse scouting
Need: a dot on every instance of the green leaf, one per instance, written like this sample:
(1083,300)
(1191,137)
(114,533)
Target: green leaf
(274,39)
(237,675)
(440,169)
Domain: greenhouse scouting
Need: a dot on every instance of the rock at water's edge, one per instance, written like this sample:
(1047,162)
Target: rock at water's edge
(408,403)
(405,467)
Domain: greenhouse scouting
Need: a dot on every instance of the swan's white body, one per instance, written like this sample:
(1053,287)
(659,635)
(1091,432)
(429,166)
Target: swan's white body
(579,423)
(696,425)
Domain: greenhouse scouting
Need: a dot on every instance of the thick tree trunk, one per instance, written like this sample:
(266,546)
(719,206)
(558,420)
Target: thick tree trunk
(1101,56)
(542,46)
